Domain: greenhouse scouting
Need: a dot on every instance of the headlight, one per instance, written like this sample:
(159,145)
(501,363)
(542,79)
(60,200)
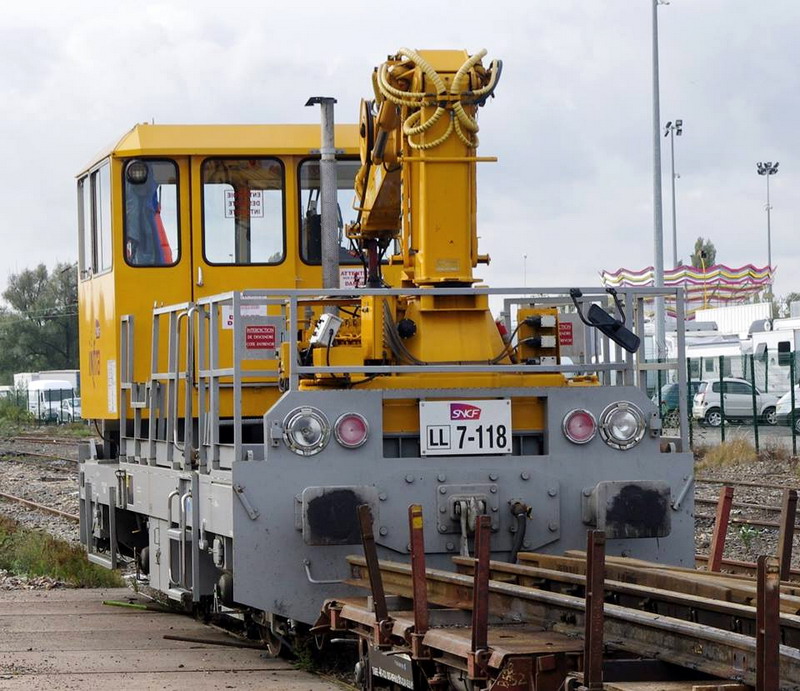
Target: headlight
(579,426)
(136,172)
(622,425)
(306,431)
(351,430)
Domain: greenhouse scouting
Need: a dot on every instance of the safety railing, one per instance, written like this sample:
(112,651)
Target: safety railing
(232,343)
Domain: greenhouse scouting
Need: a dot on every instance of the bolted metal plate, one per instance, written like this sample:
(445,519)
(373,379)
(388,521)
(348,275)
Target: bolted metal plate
(329,513)
(629,509)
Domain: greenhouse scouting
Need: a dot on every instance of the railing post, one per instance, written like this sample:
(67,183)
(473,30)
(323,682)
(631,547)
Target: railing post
(768,634)
(786,534)
(593,611)
(419,582)
(720,528)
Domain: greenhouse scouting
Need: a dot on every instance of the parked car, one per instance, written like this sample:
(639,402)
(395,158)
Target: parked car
(738,402)
(669,402)
(71,410)
(784,409)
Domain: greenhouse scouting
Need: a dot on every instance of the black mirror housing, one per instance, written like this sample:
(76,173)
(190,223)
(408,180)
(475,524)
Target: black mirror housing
(613,328)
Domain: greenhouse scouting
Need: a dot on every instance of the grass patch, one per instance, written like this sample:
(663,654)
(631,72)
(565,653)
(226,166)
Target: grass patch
(731,452)
(32,553)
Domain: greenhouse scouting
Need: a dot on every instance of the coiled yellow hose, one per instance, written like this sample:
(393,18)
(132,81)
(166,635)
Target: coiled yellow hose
(464,125)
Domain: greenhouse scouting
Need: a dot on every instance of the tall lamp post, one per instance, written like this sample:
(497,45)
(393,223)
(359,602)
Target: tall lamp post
(672,129)
(658,220)
(767,169)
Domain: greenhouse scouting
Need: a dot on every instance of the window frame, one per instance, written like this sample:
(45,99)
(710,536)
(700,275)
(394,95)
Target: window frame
(151,159)
(97,253)
(85,272)
(284,191)
(350,159)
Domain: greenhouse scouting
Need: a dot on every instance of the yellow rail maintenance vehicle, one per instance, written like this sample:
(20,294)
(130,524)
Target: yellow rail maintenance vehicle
(263,355)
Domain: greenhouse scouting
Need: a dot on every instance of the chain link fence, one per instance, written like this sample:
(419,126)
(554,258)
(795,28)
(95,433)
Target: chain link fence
(752,396)
(42,406)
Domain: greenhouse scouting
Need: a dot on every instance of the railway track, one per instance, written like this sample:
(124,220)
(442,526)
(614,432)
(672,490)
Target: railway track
(533,620)
(39,507)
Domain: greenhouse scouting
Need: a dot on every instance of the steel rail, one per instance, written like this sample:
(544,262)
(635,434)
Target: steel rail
(742,483)
(39,507)
(744,521)
(697,646)
(726,615)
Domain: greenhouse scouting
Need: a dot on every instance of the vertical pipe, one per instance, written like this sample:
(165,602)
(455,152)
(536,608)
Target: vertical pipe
(327,174)
(689,401)
(792,414)
(720,528)
(755,403)
(786,534)
(674,218)
(658,220)
(721,395)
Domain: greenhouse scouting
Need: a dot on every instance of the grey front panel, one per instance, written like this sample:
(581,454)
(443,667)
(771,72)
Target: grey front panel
(273,552)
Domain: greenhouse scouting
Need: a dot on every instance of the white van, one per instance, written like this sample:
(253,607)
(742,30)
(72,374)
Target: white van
(45,397)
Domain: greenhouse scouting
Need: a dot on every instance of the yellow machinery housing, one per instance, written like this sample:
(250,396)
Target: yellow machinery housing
(203,233)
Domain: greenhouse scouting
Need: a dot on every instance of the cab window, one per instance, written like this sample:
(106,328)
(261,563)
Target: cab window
(243,203)
(311,210)
(151,213)
(85,227)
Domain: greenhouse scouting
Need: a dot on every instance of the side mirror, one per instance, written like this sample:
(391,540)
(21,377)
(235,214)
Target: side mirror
(614,328)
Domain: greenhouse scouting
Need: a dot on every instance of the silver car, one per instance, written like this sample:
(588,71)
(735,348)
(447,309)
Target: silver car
(735,396)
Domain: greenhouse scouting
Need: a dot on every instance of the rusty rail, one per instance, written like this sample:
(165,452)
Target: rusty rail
(39,507)
(704,648)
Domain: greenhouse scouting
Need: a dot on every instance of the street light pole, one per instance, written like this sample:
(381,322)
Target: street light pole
(767,169)
(672,129)
(658,220)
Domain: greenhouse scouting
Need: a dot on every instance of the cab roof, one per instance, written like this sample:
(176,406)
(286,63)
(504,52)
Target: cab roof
(230,140)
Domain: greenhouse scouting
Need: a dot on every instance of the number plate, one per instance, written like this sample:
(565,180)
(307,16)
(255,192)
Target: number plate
(455,428)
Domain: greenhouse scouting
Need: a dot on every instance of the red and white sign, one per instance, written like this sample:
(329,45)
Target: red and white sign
(565,333)
(260,337)
(351,278)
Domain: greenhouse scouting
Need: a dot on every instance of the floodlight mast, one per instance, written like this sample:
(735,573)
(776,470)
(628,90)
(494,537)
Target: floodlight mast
(767,169)
(672,129)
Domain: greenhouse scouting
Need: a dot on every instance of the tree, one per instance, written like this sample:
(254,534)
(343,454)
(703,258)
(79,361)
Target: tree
(699,259)
(39,329)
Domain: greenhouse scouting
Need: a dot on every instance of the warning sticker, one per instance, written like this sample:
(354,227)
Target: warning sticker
(565,333)
(260,337)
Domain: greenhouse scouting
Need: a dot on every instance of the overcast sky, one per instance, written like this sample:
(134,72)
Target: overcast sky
(571,122)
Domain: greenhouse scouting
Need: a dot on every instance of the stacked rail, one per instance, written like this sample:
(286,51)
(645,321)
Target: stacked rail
(581,619)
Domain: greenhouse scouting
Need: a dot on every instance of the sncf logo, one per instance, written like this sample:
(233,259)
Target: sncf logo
(464,411)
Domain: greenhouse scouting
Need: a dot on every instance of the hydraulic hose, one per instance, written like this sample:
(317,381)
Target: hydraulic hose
(520,512)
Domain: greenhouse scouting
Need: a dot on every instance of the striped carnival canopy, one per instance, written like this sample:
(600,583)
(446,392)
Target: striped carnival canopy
(717,286)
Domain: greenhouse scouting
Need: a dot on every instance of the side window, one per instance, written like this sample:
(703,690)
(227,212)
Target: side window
(243,202)
(311,210)
(101,218)
(84,228)
(740,388)
(715,387)
(151,213)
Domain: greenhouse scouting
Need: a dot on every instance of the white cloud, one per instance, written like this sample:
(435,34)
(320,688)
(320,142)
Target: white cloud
(571,122)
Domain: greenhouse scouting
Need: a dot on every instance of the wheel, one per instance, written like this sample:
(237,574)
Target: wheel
(714,417)
(769,416)
(796,419)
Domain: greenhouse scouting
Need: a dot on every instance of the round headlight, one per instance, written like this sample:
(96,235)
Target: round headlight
(579,426)
(351,430)
(306,431)
(622,425)
(136,172)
